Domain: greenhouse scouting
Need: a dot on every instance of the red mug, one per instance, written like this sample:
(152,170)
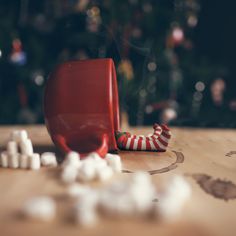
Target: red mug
(81,106)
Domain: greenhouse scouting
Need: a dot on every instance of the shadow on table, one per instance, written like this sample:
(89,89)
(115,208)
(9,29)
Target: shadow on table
(49,148)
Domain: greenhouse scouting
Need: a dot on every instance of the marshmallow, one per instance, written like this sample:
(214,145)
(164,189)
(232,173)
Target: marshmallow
(89,200)
(123,202)
(140,177)
(85,209)
(34,161)
(104,173)
(19,135)
(77,190)
(40,208)
(69,174)
(48,159)
(24,161)
(13,160)
(94,156)
(87,171)
(85,216)
(142,197)
(4,159)
(100,163)
(114,162)
(72,158)
(26,147)
(142,191)
(171,201)
(12,148)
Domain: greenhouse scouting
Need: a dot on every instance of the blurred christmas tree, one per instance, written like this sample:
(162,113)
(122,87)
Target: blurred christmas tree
(163,73)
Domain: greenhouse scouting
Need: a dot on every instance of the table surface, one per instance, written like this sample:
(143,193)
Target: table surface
(205,157)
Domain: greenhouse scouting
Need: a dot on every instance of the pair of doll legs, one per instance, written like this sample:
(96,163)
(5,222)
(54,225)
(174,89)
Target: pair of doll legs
(158,141)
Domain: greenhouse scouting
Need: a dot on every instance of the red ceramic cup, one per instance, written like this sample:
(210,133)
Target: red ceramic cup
(81,106)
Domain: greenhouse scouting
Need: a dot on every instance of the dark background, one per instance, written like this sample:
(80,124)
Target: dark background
(175,60)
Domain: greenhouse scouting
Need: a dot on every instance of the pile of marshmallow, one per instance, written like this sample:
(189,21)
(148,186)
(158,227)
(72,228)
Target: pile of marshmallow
(128,197)
(133,197)
(19,153)
(91,167)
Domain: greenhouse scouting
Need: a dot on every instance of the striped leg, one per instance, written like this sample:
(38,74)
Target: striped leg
(157,131)
(161,143)
(158,141)
(165,135)
(134,142)
(152,141)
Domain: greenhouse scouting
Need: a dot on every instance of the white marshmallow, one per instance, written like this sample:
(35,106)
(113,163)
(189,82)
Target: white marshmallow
(85,209)
(69,174)
(13,160)
(114,162)
(89,200)
(26,147)
(100,163)
(40,208)
(34,161)
(85,217)
(173,198)
(72,158)
(12,147)
(116,203)
(141,177)
(94,156)
(142,197)
(48,159)
(142,191)
(19,135)
(104,173)
(4,159)
(87,171)
(77,190)
(24,161)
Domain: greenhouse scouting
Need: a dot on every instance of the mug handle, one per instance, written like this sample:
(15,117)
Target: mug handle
(102,150)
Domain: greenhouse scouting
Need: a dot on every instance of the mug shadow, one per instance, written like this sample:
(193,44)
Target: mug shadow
(49,148)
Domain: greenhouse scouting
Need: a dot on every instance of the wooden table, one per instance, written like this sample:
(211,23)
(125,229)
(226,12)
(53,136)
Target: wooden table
(206,158)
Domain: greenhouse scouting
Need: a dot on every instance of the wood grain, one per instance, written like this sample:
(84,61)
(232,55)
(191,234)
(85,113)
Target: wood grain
(194,153)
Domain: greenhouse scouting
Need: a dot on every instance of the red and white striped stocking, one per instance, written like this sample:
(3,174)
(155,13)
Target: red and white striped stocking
(158,141)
